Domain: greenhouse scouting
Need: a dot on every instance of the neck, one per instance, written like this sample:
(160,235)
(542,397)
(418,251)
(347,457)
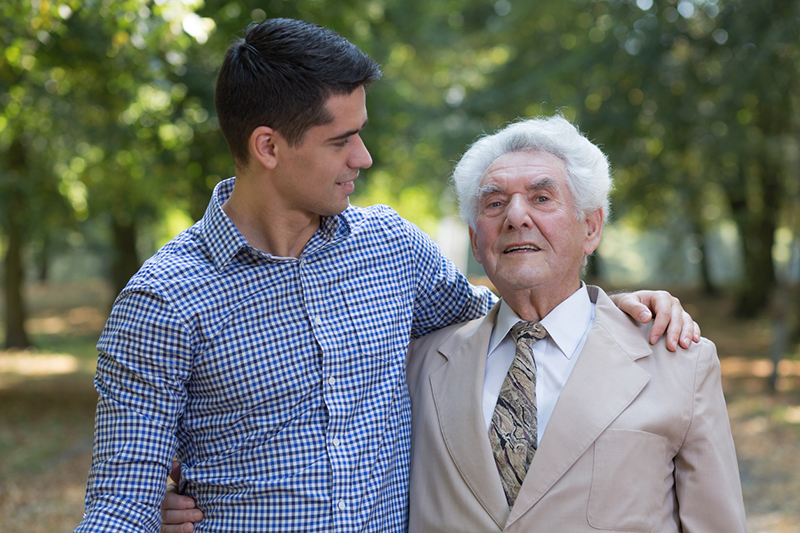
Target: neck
(266,224)
(533,304)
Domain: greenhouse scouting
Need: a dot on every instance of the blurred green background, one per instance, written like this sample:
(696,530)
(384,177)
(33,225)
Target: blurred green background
(109,146)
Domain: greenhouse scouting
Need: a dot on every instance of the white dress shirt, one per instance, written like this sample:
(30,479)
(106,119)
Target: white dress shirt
(567,326)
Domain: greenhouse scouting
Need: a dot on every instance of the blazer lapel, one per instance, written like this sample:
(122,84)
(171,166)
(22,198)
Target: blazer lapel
(458,391)
(603,383)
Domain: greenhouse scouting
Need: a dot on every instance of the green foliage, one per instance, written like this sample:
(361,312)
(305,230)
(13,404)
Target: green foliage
(110,102)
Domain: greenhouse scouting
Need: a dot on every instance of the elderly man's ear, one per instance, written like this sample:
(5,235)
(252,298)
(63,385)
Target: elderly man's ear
(594,231)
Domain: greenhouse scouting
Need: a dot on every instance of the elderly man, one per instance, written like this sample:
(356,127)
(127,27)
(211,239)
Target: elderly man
(553,413)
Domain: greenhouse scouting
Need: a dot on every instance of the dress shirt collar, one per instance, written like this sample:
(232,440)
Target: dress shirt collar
(224,240)
(566,324)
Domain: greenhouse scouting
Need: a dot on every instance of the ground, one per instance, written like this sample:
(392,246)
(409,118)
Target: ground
(47,407)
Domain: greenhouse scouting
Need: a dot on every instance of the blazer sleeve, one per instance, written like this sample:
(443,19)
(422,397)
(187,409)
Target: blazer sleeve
(706,472)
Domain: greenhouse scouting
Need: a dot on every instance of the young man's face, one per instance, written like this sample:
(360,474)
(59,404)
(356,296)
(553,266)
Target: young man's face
(316,176)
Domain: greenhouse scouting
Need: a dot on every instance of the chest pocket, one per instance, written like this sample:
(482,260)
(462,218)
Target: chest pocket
(382,320)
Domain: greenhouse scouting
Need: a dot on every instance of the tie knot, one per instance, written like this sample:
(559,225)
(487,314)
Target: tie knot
(529,331)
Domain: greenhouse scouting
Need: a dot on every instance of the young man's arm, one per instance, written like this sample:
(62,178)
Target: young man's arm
(145,359)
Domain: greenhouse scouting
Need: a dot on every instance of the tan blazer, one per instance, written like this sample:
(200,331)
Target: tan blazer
(639,439)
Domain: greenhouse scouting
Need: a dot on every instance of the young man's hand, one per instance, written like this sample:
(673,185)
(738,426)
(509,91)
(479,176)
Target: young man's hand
(178,513)
(670,316)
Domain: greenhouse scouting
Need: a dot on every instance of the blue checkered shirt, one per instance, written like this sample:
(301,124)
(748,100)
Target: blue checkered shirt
(278,382)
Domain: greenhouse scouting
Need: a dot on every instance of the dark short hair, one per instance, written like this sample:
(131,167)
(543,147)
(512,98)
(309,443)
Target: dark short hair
(280,75)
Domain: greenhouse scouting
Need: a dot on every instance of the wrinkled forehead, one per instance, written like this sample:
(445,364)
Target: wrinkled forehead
(526,169)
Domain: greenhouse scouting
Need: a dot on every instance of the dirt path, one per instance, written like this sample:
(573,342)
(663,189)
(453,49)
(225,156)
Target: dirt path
(46,444)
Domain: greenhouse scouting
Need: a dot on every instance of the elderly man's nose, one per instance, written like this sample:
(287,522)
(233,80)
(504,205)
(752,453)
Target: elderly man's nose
(518,215)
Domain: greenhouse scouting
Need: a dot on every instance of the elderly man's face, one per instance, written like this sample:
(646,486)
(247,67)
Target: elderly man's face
(527,234)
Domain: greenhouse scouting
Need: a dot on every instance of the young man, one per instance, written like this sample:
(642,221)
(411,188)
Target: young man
(265,346)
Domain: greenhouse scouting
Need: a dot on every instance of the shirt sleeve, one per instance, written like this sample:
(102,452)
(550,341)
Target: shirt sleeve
(443,296)
(706,472)
(143,364)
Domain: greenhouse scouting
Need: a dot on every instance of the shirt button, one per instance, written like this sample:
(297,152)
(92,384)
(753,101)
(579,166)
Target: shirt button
(341,505)
(317,321)
(331,380)
(335,441)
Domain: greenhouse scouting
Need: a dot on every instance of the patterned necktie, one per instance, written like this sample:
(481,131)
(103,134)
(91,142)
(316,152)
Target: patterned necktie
(513,431)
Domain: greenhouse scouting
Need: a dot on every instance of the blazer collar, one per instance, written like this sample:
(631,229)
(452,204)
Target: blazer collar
(603,383)
(457,388)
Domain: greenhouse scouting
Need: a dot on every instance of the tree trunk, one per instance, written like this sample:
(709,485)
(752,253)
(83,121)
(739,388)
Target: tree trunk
(759,274)
(757,234)
(43,264)
(705,271)
(697,222)
(16,335)
(126,260)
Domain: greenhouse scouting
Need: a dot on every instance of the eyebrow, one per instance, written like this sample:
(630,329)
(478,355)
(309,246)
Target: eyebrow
(544,183)
(347,134)
(486,190)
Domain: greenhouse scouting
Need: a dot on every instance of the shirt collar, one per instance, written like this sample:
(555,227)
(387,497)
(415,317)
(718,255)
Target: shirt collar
(224,240)
(565,324)
(221,236)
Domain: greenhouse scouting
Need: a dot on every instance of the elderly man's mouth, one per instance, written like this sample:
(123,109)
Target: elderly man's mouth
(522,248)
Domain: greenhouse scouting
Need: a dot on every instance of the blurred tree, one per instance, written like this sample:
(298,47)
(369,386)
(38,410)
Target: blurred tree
(108,108)
(135,121)
(14,224)
(689,97)
(30,118)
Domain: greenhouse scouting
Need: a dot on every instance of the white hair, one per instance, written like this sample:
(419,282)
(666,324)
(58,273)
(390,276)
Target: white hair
(588,174)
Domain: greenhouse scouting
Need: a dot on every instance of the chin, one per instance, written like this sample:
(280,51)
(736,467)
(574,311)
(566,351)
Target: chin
(518,283)
(336,209)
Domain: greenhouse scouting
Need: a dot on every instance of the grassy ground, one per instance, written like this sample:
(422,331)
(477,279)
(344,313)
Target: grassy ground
(47,409)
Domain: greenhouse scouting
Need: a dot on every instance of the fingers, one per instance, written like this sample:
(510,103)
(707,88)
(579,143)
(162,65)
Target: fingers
(630,303)
(177,502)
(668,311)
(675,326)
(670,318)
(690,331)
(178,512)
(180,521)
(183,528)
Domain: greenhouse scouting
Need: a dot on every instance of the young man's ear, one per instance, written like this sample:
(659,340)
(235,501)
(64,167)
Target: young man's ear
(263,147)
